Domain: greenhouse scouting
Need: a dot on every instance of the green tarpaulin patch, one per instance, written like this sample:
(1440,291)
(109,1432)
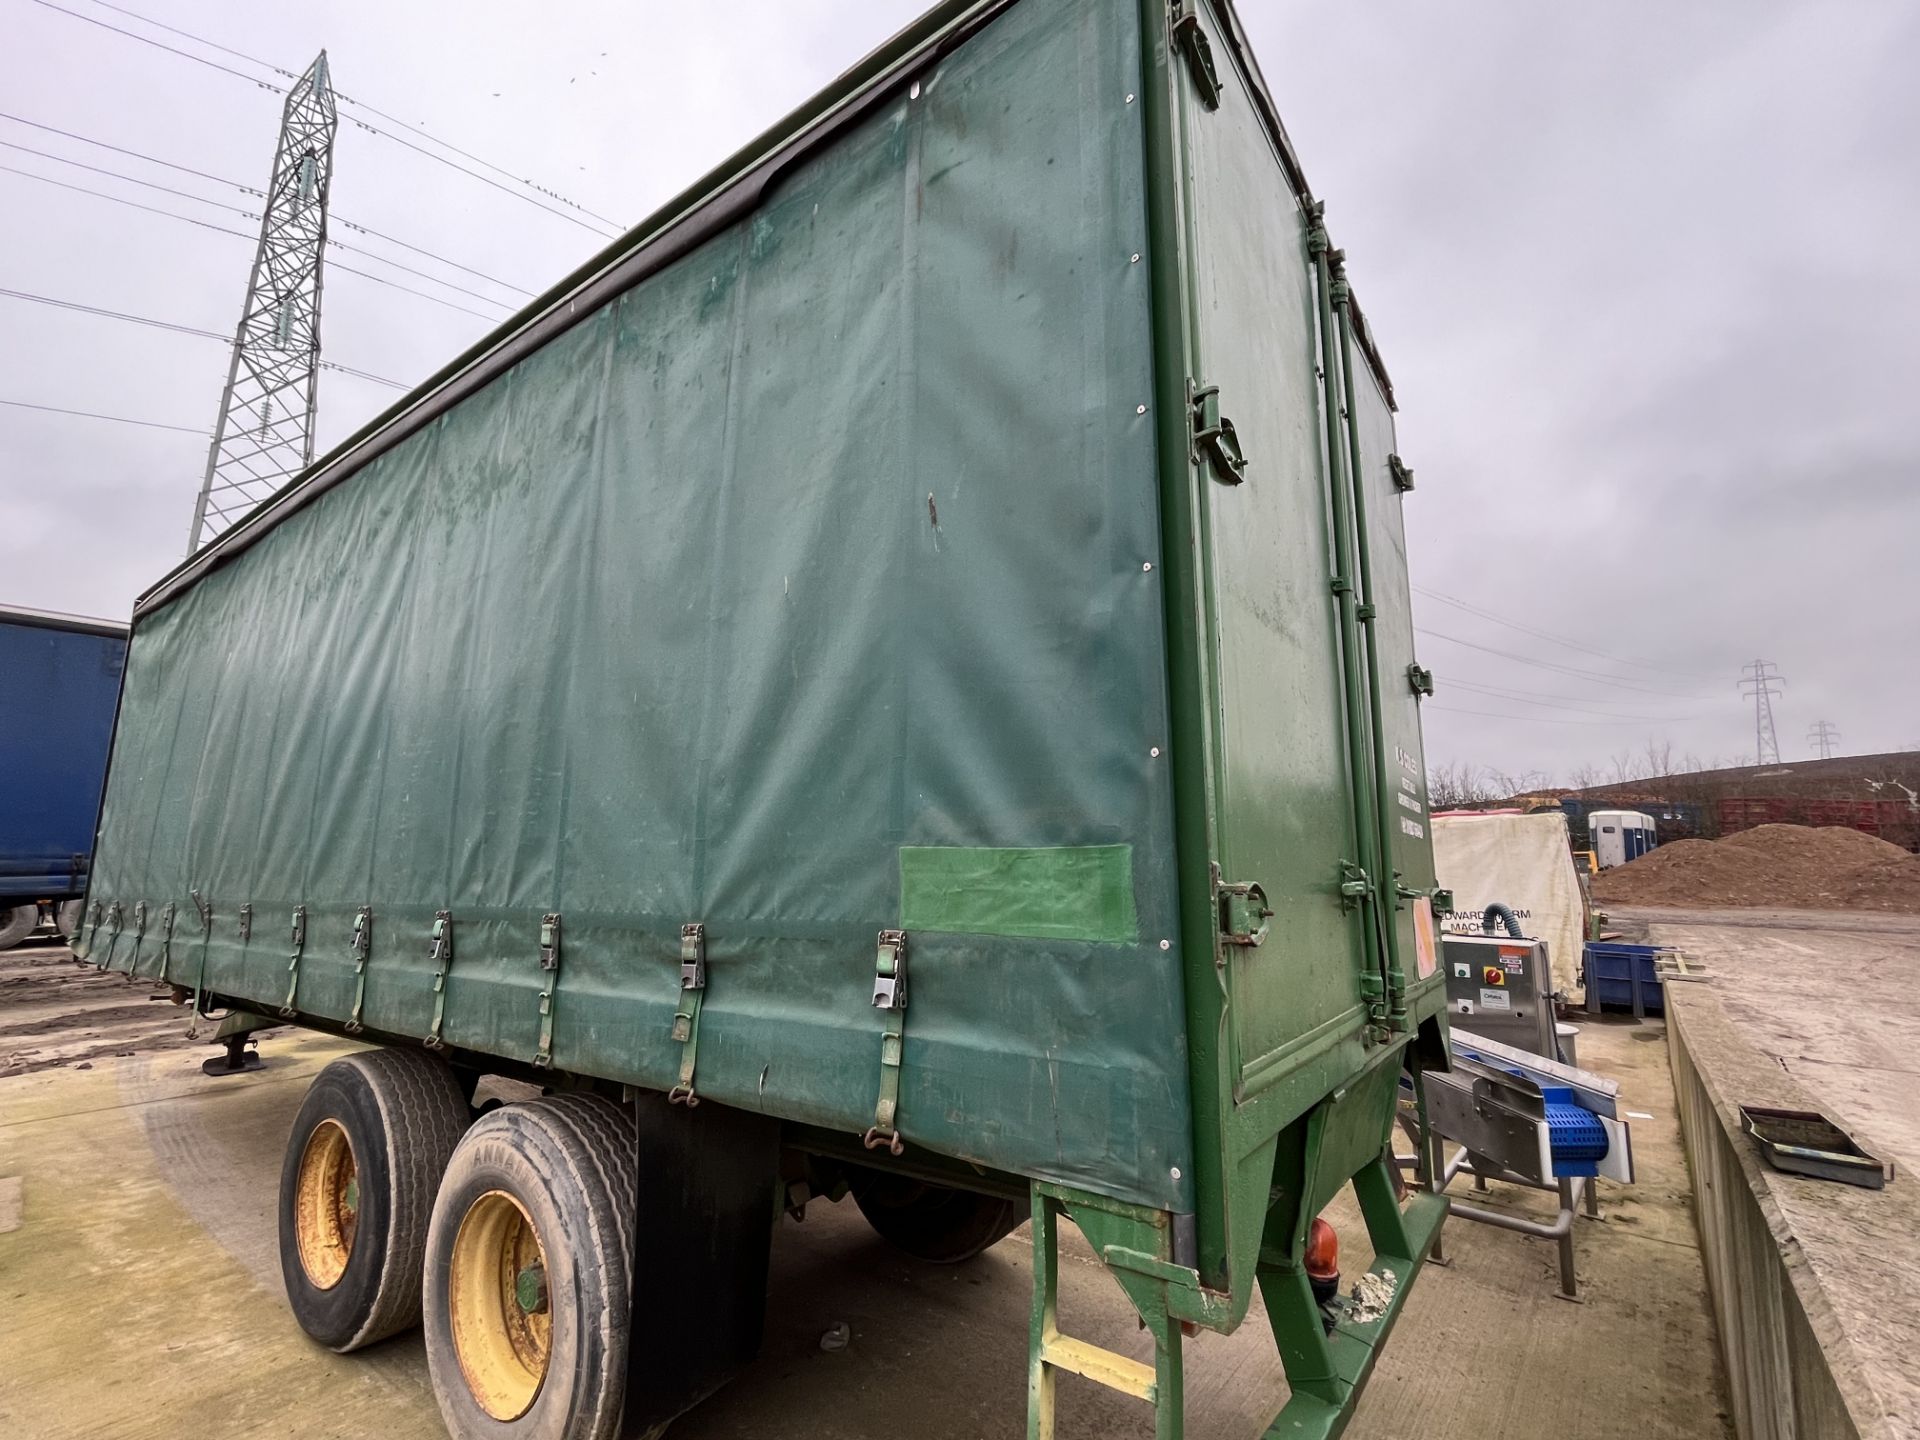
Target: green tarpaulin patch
(1075,892)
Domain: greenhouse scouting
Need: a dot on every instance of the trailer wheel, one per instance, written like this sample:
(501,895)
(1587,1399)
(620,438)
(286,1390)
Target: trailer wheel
(528,1280)
(16,923)
(356,1192)
(932,1222)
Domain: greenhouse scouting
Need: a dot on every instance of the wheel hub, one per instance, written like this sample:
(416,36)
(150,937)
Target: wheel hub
(326,1204)
(499,1305)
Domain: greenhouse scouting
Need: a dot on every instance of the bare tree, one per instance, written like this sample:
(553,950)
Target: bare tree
(1507,787)
(1585,777)
(1658,757)
(1457,786)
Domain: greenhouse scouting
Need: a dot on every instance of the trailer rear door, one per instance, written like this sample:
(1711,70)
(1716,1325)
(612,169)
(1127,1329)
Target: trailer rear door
(1281,785)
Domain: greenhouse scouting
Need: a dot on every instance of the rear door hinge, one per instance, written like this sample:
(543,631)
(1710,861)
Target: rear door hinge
(1421,680)
(1402,476)
(1244,913)
(1215,442)
(1191,41)
(1354,886)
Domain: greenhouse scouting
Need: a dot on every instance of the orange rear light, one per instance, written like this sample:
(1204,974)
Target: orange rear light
(1323,1251)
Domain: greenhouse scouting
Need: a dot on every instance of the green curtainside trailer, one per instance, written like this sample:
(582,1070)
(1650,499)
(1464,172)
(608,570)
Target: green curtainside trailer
(897,677)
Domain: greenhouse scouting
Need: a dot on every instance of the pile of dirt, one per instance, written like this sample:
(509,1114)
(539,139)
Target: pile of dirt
(1780,867)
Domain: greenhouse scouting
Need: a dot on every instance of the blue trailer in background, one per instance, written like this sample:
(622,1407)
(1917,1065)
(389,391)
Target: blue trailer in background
(59,688)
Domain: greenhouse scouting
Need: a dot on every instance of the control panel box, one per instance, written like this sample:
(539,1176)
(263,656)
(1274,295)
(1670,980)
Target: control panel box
(1501,987)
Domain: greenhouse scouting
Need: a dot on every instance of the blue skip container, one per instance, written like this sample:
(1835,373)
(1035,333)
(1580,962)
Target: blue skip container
(1624,977)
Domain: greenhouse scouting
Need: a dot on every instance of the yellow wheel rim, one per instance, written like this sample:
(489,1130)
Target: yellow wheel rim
(326,1203)
(498,1303)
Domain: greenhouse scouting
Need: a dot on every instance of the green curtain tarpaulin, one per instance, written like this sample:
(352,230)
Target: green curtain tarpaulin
(830,546)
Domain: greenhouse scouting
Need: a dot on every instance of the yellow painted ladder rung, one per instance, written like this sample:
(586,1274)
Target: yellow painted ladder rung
(1103,1367)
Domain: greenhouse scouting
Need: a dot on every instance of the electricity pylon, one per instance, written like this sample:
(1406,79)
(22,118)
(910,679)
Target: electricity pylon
(265,430)
(1824,737)
(1759,680)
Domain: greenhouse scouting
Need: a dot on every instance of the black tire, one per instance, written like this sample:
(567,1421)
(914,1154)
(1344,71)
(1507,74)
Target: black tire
(932,1222)
(402,1114)
(68,916)
(568,1163)
(17,922)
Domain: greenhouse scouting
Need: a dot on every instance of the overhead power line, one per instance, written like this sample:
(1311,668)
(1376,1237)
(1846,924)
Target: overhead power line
(149,40)
(113,314)
(254,215)
(528,193)
(1507,692)
(1524,719)
(96,415)
(242,188)
(1521,698)
(337,267)
(406,245)
(241,235)
(373,129)
(122,150)
(1525,629)
(180,329)
(130,179)
(122,200)
(1594,676)
(363,375)
(346,99)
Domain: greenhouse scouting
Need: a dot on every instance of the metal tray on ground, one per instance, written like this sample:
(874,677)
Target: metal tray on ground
(1805,1142)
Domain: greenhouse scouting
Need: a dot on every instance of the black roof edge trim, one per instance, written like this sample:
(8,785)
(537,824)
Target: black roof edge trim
(718,199)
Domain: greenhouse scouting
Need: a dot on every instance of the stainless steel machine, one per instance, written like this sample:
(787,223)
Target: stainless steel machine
(1501,986)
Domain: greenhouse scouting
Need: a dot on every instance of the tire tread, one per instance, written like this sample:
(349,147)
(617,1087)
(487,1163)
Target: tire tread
(426,1114)
(586,1147)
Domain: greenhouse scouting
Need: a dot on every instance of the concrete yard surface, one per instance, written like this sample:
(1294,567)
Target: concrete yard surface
(142,1298)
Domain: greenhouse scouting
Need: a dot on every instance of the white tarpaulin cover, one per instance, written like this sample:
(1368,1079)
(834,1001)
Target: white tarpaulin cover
(1524,862)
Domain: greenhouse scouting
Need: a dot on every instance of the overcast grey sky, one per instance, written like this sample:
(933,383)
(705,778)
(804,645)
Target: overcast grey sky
(1643,274)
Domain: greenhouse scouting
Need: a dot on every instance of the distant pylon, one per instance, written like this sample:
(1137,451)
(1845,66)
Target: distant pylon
(1759,679)
(1824,737)
(265,429)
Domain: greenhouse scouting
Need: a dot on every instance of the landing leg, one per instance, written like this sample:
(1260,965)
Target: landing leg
(237,1061)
